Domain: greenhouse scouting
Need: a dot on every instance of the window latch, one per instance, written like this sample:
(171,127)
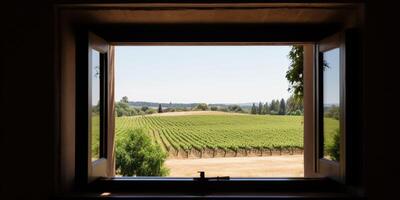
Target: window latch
(203,177)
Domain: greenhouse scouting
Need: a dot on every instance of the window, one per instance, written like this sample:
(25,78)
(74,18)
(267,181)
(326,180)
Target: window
(180,146)
(331,108)
(193,34)
(95,113)
(331,103)
(224,110)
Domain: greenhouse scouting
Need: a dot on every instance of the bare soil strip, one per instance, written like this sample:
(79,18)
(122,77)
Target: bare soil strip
(270,166)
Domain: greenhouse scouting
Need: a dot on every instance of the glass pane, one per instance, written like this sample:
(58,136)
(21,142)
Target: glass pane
(331,102)
(95,105)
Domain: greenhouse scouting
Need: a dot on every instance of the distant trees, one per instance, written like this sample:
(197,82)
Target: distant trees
(124,99)
(253,109)
(294,106)
(266,108)
(159,108)
(291,106)
(274,107)
(201,106)
(282,107)
(235,108)
(332,112)
(260,108)
(122,108)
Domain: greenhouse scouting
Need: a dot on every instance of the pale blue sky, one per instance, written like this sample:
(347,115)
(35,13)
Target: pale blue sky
(332,77)
(209,74)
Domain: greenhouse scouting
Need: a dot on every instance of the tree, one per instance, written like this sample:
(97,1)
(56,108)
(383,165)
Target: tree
(235,108)
(137,155)
(253,109)
(214,108)
(159,108)
(282,107)
(271,105)
(295,72)
(201,106)
(125,99)
(144,108)
(332,112)
(274,107)
(260,108)
(266,108)
(294,106)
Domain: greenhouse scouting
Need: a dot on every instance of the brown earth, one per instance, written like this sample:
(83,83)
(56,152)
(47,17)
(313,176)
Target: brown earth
(270,166)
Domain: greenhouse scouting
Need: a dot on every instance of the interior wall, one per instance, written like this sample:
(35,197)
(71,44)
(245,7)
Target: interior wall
(28,125)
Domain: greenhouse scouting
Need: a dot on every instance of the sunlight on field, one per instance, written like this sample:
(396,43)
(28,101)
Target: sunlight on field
(229,133)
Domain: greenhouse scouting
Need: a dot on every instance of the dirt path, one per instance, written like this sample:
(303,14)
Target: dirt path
(270,166)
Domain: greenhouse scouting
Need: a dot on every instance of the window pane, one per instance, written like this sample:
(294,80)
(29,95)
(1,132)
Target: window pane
(331,102)
(95,105)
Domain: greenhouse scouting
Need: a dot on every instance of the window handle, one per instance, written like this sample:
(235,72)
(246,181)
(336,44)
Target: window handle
(203,177)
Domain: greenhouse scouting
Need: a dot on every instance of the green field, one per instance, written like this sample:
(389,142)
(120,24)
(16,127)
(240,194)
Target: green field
(227,131)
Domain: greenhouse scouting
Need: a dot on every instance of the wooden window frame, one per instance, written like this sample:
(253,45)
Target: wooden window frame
(324,166)
(90,169)
(201,34)
(149,38)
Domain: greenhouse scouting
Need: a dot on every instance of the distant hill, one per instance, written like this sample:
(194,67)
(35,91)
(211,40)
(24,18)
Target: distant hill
(181,105)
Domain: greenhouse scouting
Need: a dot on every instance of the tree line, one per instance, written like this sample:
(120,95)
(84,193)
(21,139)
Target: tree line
(291,106)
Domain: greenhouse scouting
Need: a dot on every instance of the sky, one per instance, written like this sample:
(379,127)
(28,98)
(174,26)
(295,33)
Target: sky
(201,74)
(331,77)
(95,78)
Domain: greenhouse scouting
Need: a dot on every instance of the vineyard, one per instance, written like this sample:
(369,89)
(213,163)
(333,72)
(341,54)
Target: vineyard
(219,135)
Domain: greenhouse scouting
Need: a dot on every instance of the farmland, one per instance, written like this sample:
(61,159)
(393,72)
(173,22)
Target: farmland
(216,134)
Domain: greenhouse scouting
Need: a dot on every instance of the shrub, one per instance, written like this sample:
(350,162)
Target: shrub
(136,155)
(334,149)
(214,108)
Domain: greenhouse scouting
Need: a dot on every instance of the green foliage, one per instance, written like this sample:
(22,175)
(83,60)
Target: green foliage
(334,150)
(123,109)
(295,72)
(214,108)
(265,109)
(332,112)
(274,107)
(201,106)
(136,155)
(124,100)
(218,131)
(260,108)
(95,141)
(235,108)
(294,106)
(144,108)
(282,107)
(150,111)
(253,109)
(159,108)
